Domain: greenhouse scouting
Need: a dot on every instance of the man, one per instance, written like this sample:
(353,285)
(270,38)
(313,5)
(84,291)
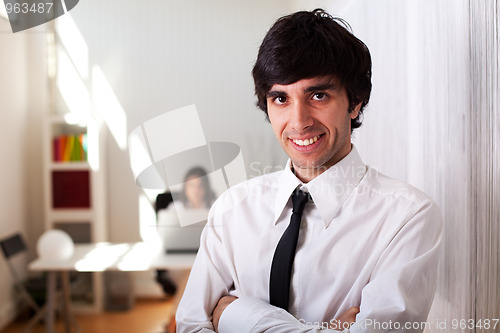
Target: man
(363,242)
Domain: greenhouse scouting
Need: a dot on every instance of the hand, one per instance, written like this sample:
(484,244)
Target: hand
(345,320)
(221,306)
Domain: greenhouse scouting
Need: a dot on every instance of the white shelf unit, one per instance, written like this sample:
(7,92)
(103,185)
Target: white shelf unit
(74,200)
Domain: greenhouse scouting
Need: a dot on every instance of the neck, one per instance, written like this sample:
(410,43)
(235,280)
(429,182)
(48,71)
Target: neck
(307,174)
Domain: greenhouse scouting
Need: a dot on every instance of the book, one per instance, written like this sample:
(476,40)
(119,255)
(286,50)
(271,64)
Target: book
(70,148)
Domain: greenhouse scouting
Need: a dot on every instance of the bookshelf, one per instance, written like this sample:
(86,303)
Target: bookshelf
(74,194)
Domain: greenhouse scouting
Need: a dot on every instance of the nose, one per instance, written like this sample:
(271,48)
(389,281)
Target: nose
(301,118)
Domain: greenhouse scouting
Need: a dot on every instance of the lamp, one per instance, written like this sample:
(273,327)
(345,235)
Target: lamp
(55,245)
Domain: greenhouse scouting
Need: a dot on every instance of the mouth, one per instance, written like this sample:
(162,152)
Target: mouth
(306,142)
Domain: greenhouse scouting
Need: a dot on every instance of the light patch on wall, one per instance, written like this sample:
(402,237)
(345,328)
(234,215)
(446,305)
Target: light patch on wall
(71,87)
(109,107)
(139,155)
(147,222)
(3,12)
(74,43)
(93,145)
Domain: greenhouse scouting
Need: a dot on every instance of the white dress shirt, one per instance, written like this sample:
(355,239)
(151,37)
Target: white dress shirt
(365,240)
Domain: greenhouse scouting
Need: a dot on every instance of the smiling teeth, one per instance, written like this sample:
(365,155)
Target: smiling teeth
(306,142)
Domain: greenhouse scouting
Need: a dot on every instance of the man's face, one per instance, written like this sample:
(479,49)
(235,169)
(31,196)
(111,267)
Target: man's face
(311,120)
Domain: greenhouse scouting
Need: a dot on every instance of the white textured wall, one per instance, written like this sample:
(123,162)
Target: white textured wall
(421,71)
(12,134)
(485,154)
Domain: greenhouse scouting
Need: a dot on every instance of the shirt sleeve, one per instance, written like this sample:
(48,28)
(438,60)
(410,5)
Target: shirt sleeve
(209,280)
(252,315)
(396,299)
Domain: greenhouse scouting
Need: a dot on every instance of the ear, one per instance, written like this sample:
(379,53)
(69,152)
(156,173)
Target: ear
(355,112)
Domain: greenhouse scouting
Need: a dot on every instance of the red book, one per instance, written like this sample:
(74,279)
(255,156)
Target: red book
(55,149)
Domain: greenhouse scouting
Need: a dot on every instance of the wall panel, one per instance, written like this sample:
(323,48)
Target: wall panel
(485,138)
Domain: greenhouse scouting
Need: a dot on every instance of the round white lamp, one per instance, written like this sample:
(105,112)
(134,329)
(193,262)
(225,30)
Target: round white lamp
(55,245)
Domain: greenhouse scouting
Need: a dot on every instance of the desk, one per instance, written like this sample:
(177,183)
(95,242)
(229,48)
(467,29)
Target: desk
(99,257)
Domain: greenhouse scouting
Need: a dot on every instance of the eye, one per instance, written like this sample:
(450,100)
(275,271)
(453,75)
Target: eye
(280,100)
(319,96)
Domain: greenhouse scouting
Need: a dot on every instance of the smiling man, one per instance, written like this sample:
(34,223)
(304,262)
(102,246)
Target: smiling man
(328,244)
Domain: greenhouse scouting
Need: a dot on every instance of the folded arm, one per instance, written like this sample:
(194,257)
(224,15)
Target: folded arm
(345,320)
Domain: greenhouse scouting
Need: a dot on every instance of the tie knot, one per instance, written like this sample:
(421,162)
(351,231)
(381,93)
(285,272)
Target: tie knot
(299,200)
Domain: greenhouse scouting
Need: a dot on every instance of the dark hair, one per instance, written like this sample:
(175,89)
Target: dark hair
(198,172)
(305,45)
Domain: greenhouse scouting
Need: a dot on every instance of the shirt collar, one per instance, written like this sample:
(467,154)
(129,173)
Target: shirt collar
(329,190)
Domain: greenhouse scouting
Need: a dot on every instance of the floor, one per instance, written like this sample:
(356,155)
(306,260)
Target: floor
(146,316)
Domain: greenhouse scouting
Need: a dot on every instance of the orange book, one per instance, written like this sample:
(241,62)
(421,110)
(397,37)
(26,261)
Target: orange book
(62,147)
(68,147)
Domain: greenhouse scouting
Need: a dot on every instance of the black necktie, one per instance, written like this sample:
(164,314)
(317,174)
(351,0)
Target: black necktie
(281,268)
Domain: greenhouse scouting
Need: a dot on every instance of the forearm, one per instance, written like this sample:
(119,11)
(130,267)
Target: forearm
(252,315)
(209,280)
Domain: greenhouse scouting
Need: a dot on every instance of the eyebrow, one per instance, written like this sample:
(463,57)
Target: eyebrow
(275,93)
(318,87)
(323,86)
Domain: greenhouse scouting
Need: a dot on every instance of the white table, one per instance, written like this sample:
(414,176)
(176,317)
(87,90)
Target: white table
(99,257)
